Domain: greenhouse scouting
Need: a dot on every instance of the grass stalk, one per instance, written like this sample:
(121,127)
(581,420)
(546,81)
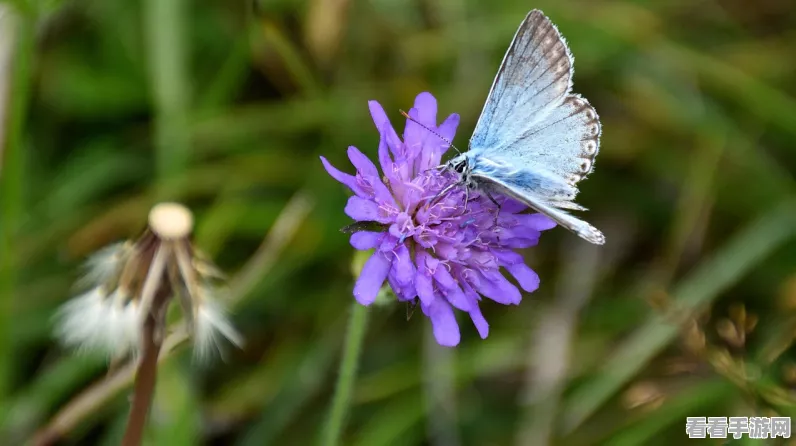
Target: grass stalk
(20,29)
(347,375)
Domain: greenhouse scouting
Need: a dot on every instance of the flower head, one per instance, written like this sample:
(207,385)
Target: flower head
(444,252)
(131,281)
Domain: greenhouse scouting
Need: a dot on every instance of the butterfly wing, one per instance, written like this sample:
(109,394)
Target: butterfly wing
(532,122)
(522,186)
(534,78)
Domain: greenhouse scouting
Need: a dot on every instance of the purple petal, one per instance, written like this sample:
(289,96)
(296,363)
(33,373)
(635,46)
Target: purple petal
(454,293)
(438,145)
(423,280)
(414,135)
(368,171)
(426,105)
(371,278)
(424,286)
(526,277)
(478,320)
(385,160)
(403,293)
(494,286)
(366,240)
(385,127)
(537,222)
(517,238)
(448,127)
(475,312)
(363,164)
(361,209)
(349,180)
(403,267)
(506,257)
(443,323)
(512,206)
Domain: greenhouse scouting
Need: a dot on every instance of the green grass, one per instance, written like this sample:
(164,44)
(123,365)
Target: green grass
(226,107)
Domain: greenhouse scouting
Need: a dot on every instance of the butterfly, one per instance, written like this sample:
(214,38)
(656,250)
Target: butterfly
(535,139)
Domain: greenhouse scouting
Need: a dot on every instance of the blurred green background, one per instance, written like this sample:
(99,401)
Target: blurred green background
(107,106)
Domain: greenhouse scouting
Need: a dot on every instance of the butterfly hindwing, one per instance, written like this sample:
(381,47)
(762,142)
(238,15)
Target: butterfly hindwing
(526,194)
(563,146)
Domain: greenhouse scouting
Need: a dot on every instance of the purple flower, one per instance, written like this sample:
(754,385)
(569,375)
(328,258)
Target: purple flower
(434,251)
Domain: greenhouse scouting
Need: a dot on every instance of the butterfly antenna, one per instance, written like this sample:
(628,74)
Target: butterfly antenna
(406,115)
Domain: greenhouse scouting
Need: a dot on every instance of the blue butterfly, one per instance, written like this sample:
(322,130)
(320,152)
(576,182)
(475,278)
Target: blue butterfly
(535,139)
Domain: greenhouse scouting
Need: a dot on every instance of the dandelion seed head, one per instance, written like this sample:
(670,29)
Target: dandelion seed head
(131,282)
(171,221)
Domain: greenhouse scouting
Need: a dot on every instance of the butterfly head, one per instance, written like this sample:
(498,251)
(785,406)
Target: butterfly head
(460,165)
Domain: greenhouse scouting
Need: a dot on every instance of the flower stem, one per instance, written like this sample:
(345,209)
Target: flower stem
(355,335)
(144,387)
(146,373)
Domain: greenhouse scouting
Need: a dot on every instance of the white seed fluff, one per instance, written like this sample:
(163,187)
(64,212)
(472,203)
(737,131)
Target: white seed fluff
(96,321)
(211,321)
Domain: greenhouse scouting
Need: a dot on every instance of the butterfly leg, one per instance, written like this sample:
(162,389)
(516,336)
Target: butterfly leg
(466,198)
(441,193)
(497,213)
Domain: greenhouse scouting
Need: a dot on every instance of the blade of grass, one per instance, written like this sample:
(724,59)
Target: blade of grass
(318,357)
(714,275)
(176,407)
(169,83)
(12,185)
(692,401)
(439,375)
(355,335)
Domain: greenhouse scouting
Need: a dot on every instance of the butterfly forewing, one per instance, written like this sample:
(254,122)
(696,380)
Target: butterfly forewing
(534,77)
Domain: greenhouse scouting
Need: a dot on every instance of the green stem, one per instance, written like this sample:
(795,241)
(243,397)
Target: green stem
(347,375)
(169,84)
(11,184)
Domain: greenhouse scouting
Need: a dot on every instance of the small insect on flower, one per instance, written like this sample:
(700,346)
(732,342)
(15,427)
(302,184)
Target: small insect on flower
(129,282)
(442,251)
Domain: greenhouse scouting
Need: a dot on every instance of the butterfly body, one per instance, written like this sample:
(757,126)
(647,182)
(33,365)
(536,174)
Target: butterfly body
(535,139)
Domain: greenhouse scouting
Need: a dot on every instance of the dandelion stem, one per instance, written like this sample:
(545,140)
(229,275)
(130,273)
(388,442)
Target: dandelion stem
(146,374)
(144,387)
(355,336)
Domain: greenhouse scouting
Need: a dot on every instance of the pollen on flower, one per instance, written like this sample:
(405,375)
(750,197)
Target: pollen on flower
(446,252)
